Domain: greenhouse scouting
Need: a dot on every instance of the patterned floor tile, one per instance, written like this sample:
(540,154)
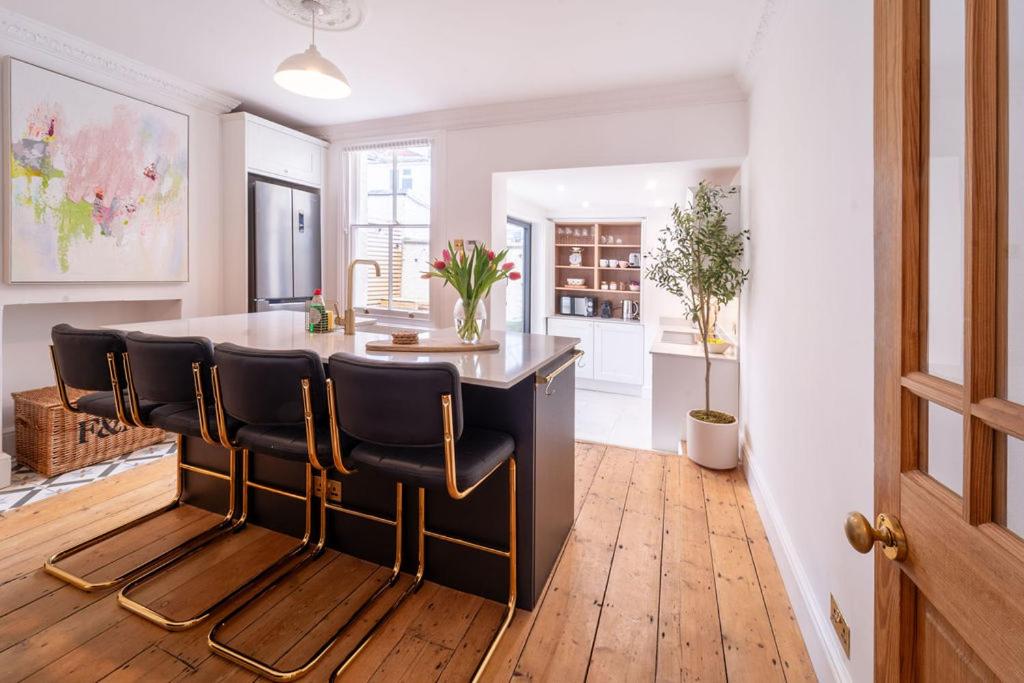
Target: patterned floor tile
(28,486)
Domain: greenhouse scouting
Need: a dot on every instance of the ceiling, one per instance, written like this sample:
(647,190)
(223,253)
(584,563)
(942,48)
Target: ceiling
(616,190)
(412,56)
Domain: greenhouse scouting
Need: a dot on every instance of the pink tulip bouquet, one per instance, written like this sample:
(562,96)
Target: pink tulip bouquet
(472,276)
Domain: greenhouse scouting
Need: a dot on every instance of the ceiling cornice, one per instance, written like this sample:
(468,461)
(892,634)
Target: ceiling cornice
(693,93)
(18,30)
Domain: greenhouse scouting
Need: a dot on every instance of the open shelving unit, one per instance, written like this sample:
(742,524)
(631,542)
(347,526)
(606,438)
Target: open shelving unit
(613,240)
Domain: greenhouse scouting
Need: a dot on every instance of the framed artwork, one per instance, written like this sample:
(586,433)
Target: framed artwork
(96,183)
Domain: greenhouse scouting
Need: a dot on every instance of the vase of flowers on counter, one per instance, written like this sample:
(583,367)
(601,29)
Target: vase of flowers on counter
(472,276)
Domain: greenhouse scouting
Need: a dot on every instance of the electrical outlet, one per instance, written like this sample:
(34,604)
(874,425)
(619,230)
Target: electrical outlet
(333,489)
(839,624)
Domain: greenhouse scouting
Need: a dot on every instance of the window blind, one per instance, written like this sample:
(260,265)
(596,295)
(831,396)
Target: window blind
(396,144)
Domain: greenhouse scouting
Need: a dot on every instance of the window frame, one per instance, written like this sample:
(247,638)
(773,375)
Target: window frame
(352,227)
(525,269)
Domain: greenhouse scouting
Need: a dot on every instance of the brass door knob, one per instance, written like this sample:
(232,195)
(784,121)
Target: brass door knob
(887,531)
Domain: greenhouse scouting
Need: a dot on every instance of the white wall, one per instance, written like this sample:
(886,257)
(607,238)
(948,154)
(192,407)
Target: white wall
(807,314)
(200,296)
(472,207)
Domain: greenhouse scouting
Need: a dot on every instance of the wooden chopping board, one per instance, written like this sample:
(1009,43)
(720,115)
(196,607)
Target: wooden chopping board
(428,344)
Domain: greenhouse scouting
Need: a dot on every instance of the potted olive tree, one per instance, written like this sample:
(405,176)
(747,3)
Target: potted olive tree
(699,260)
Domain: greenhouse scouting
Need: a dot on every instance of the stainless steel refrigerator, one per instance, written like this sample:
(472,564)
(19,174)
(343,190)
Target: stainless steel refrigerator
(284,246)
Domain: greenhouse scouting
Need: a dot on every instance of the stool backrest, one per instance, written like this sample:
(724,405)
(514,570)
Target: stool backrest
(394,403)
(261,387)
(162,366)
(82,356)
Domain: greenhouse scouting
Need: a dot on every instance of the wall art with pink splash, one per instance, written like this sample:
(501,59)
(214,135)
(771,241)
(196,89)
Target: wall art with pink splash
(98,183)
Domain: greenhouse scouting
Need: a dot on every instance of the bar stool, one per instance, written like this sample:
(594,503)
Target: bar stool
(174,373)
(263,389)
(92,360)
(408,418)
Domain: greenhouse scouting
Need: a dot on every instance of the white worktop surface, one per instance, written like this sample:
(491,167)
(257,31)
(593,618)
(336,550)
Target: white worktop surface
(519,356)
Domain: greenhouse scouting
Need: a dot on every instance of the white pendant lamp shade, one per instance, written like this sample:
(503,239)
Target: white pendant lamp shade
(311,74)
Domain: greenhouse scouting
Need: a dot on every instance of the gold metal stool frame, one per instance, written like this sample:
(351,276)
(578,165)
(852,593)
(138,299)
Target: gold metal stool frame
(271,570)
(168,556)
(253,663)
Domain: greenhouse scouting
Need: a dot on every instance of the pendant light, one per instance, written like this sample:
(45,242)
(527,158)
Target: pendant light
(309,73)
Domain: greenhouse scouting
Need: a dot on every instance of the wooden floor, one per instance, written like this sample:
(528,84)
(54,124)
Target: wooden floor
(667,575)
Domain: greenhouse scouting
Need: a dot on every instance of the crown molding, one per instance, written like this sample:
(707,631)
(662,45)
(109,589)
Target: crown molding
(19,30)
(748,69)
(692,93)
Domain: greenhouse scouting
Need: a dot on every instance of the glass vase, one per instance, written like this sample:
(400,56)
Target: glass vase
(470,318)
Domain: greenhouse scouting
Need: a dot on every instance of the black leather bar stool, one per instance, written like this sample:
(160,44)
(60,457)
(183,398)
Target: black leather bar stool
(408,418)
(92,360)
(174,374)
(263,389)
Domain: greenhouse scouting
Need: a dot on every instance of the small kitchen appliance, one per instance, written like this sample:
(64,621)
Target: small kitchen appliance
(634,259)
(584,305)
(630,310)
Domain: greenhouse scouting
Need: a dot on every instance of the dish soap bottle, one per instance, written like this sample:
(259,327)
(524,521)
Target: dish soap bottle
(317,312)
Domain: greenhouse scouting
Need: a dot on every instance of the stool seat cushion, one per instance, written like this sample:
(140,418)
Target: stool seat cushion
(477,453)
(284,441)
(101,404)
(183,418)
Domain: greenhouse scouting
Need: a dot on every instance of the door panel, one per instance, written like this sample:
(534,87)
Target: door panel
(582,329)
(306,265)
(944,656)
(273,241)
(948,610)
(619,353)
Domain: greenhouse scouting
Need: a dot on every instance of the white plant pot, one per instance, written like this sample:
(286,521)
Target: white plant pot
(715,446)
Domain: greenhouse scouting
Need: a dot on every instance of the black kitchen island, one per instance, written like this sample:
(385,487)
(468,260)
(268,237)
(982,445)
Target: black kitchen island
(525,388)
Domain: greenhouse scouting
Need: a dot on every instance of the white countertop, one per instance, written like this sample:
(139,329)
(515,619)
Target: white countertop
(692,351)
(519,356)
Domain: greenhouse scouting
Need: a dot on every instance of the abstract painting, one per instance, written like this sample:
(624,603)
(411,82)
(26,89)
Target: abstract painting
(98,183)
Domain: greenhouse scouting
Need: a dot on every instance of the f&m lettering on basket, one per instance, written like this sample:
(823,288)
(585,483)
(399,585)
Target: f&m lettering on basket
(52,441)
(99,427)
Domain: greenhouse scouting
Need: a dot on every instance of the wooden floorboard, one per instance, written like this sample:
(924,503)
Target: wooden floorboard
(666,575)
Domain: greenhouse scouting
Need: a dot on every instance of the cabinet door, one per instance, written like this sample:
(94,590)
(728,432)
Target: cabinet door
(619,353)
(277,153)
(560,327)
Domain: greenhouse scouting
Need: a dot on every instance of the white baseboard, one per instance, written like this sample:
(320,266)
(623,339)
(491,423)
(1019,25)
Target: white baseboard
(823,647)
(5,469)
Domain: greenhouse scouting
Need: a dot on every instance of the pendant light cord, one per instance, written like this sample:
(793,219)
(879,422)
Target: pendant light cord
(312,20)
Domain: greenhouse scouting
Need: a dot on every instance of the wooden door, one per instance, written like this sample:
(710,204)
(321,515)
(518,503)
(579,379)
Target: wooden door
(949,296)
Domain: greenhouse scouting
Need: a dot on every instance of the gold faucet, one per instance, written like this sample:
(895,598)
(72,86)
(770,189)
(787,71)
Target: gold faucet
(350,314)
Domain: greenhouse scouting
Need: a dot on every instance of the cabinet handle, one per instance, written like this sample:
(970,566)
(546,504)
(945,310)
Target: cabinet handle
(550,377)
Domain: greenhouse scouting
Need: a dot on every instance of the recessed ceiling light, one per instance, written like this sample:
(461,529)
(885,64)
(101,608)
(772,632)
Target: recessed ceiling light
(560,188)
(586,204)
(651,184)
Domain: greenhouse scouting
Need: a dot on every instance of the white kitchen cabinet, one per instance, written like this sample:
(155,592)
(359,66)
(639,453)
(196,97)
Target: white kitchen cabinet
(619,353)
(564,327)
(613,352)
(283,153)
(254,146)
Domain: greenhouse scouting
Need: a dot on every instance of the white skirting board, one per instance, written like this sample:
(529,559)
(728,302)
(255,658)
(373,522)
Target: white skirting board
(822,645)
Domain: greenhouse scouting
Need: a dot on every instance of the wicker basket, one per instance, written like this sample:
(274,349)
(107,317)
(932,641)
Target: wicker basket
(51,440)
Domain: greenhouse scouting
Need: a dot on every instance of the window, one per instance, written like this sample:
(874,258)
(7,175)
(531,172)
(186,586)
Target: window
(517,293)
(389,222)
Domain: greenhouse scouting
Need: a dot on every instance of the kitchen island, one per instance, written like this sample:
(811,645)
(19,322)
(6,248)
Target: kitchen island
(507,390)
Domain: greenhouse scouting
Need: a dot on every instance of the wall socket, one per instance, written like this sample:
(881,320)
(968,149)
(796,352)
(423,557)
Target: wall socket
(333,489)
(839,624)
